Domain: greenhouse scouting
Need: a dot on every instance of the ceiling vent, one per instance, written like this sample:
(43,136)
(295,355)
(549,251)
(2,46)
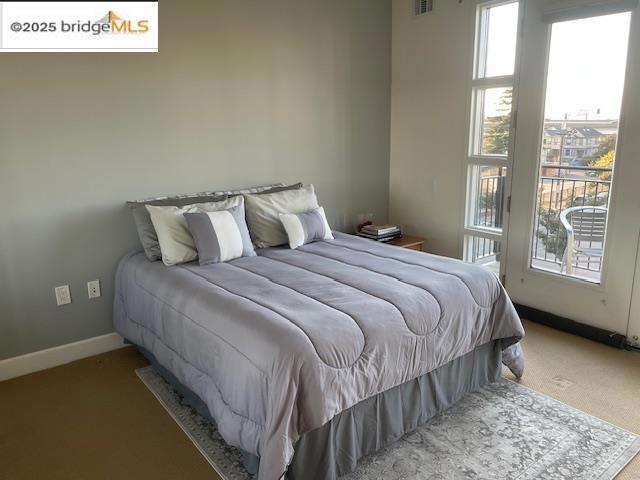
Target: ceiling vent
(422,7)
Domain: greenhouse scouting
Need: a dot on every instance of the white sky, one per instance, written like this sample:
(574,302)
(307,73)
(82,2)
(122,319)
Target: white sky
(587,62)
(587,67)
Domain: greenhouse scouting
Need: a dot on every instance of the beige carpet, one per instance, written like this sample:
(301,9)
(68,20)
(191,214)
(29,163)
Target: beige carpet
(592,377)
(93,419)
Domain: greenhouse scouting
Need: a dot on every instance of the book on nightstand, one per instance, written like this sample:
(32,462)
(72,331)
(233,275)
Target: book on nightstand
(380,233)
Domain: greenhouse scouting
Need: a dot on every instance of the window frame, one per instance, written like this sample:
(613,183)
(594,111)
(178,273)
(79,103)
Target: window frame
(474,161)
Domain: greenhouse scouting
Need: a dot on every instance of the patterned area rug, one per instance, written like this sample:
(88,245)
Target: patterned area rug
(504,431)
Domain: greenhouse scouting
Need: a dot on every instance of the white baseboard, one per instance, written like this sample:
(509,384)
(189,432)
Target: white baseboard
(52,357)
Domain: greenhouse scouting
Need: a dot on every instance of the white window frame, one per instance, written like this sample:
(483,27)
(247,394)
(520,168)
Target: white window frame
(474,161)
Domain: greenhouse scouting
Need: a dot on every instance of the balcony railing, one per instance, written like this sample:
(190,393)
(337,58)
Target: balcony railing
(560,187)
(488,214)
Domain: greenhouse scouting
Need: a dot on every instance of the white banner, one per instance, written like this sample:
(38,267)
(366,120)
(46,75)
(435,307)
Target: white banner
(79,26)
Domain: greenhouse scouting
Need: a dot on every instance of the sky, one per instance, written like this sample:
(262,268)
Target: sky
(587,66)
(587,62)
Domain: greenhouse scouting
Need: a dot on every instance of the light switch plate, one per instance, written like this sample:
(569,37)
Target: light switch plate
(63,295)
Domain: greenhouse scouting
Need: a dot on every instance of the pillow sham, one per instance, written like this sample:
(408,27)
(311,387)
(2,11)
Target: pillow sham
(307,227)
(144,225)
(259,189)
(147,234)
(220,236)
(263,212)
(279,188)
(176,243)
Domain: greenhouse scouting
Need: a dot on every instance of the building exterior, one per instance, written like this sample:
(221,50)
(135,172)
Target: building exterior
(572,142)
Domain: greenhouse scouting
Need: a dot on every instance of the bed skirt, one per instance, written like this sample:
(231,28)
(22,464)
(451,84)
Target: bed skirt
(335,448)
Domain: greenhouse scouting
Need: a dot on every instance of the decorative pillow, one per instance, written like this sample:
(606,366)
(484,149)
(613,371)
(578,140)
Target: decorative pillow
(307,227)
(146,232)
(176,242)
(220,236)
(144,226)
(263,212)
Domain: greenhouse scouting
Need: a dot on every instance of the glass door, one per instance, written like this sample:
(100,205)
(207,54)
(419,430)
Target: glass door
(578,145)
(570,248)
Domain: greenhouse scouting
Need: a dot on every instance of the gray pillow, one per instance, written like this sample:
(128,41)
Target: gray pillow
(263,213)
(267,190)
(220,236)
(307,227)
(146,231)
(276,189)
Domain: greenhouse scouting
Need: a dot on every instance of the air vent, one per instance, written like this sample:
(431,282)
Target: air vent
(422,7)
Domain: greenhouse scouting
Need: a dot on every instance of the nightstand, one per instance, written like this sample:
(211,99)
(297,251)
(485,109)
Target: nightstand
(410,242)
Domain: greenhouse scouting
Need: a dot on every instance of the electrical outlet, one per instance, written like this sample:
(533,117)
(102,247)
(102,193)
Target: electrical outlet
(63,295)
(93,289)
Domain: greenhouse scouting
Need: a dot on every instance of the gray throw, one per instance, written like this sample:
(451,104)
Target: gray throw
(276,345)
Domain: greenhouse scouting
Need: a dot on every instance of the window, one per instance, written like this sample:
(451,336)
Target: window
(497,28)
(493,107)
(490,136)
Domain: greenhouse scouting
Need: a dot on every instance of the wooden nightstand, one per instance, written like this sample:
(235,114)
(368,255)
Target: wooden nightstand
(410,242)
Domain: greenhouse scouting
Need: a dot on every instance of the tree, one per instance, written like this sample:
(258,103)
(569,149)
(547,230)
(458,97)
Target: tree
(606,146)
(605,161)
(495,138)
(604,158)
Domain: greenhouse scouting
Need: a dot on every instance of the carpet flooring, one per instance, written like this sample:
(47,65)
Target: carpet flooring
(94,419)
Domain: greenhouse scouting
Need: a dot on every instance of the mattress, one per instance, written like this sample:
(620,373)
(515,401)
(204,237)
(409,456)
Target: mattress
(279,344)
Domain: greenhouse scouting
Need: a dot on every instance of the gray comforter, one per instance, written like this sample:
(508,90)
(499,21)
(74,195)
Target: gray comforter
(278,344)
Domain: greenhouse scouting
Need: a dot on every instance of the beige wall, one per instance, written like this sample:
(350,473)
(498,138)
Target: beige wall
(431,58)
(240,94)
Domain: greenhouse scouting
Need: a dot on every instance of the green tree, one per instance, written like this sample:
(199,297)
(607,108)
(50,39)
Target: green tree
(605,161)
(606,146)
(495,138)
(604,157)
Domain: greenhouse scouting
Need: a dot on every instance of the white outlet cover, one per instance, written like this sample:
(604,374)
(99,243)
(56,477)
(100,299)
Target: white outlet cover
(93,289)
(63,295)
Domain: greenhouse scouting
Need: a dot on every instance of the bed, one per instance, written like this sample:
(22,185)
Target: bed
(308,359)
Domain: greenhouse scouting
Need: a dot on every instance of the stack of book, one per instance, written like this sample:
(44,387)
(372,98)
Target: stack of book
(380,233)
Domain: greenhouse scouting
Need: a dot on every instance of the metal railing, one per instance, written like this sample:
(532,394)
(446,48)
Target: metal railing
(561,187)
(488,213)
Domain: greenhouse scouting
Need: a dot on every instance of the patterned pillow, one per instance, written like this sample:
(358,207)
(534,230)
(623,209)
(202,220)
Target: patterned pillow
(303,228)
(220,236)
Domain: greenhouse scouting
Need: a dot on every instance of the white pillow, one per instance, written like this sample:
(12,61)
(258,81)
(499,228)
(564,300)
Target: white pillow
(263,212)
(176,243)
(307,227)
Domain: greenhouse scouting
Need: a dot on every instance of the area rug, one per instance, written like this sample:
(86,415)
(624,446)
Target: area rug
(503,431)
